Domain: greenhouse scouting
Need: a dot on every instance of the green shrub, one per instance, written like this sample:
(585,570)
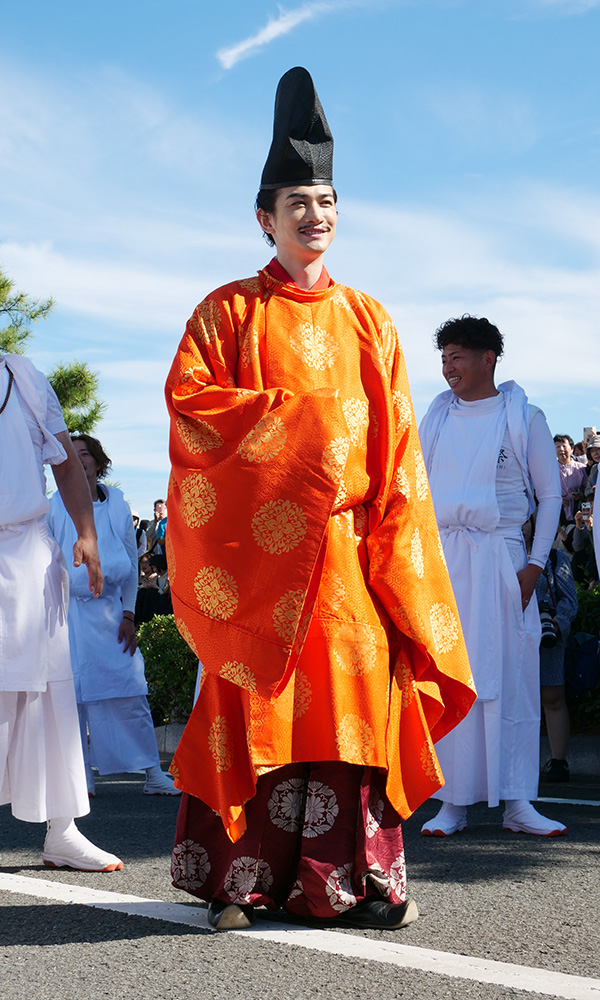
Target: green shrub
(171,669)
(585,709)
(588,615)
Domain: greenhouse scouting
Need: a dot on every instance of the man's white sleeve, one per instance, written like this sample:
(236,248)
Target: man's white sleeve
(543,468)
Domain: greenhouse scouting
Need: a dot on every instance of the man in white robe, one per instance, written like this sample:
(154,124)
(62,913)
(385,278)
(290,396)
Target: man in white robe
(41,764)
(108,668)
(487,452)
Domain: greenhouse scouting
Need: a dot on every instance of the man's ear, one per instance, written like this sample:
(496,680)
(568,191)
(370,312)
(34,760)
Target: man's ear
(264,221)
(490,359)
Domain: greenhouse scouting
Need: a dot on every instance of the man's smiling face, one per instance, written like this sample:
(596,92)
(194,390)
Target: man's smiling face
(303,221)
(470,374)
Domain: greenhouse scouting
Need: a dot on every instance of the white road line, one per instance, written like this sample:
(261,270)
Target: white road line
(517,977)
(570,802)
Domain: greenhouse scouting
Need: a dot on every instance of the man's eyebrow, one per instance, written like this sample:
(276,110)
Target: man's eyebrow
(302,194)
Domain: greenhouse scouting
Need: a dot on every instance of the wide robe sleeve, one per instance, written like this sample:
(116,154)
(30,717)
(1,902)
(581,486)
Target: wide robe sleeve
(431,685)
(249,499)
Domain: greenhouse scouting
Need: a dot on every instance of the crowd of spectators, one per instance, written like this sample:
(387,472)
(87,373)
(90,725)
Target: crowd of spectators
(572,560)
(578,465)
(154,595)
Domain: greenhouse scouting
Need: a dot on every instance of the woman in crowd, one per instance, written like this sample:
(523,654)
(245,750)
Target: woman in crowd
(154,594)
(108,668)
(573,476)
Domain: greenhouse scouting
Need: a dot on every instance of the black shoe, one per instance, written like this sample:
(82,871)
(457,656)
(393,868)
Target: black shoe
(377,914)
(230,916)
(556,770)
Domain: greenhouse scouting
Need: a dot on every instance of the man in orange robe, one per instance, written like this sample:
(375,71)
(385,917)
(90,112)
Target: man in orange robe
(306,573)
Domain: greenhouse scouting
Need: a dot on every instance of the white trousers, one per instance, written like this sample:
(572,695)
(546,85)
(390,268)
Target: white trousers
(121,734)
(493,753)
(41,764)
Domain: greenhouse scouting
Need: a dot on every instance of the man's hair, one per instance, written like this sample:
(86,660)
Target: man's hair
(559,438)
(267,201)
(96,451)
(471,332)
(160,500)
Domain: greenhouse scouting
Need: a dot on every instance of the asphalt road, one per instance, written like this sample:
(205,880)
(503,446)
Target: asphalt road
(531,902)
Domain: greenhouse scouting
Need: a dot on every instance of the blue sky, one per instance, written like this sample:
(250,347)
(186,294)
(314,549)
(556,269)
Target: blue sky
(467,159)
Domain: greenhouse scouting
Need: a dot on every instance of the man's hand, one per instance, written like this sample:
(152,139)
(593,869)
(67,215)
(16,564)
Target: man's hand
(581,523)
(528,578)
(85,551)
(127,636)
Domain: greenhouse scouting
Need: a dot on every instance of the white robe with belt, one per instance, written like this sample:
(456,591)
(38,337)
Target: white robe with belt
(41,765)
(484,460)
(109,683)
(101,669)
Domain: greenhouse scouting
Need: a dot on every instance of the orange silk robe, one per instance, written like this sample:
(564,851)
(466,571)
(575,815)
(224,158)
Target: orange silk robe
(304,558)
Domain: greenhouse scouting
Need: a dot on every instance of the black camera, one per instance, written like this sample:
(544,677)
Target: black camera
(549,628)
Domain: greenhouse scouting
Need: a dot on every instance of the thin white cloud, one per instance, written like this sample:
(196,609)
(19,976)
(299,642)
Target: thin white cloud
(534,272)
(282,25)
(121,293)
(102,134)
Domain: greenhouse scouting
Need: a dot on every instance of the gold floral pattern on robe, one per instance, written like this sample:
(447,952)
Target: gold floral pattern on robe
(238,673)
(198,500)
(279,526)
(216,592)
(198,436)
(316,346)
(286,614)
(265,441)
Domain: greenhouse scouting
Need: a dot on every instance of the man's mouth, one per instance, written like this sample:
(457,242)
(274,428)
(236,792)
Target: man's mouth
(312,232)
(453,379)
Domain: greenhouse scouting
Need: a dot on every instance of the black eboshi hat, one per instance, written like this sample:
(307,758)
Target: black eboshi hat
(302,148)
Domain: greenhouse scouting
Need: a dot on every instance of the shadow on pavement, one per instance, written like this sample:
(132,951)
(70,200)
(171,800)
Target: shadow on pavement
(46,924)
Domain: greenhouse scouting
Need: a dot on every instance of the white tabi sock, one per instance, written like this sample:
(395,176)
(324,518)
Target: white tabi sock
(159,783)
(450,819)
(521,817)
(66,847)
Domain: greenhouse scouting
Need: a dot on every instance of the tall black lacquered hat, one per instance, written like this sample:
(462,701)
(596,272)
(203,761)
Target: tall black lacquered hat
(302,148)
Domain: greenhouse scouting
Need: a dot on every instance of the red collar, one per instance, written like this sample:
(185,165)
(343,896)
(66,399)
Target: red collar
(280,274)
